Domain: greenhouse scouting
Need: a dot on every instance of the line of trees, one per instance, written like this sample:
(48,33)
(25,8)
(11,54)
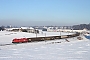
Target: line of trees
(2,28)
(81,26)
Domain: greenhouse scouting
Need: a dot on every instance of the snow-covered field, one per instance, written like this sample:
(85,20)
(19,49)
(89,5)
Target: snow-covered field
(46,50)
(7,37)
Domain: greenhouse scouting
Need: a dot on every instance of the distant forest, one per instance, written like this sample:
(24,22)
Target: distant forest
(81,26)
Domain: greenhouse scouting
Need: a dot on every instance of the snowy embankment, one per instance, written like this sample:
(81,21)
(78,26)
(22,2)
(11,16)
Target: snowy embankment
(49,50)
(7,37)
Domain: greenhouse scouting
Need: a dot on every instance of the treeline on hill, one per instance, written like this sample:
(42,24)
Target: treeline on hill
(2,28)
(81,27)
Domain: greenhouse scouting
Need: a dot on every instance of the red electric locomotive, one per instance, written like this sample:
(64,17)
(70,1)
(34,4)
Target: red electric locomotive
(20,40)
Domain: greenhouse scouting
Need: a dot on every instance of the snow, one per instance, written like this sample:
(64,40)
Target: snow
(46,50)
(7,37)
(11,28)
(24,27)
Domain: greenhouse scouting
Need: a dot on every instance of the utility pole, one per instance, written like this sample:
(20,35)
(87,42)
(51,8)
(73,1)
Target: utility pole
(60,32)
(45,34)
(36,33)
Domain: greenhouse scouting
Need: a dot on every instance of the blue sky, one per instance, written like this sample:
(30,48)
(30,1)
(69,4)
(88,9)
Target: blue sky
(44,12)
